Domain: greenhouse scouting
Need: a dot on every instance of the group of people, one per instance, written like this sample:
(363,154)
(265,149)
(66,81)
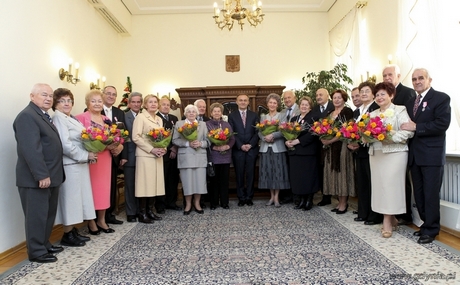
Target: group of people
(56,174)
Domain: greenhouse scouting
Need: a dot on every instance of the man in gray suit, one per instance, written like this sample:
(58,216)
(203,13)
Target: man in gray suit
(39,172)
(291,108)
(129,164)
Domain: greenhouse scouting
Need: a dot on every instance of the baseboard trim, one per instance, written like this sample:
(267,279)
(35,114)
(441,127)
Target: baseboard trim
(450,231)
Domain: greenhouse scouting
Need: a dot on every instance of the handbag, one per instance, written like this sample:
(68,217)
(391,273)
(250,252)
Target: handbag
(210,169)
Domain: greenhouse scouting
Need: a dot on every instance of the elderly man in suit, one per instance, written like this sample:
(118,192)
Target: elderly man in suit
(323,108)
(430,118)
(39,172)
(291,109)
(171,172)
(129,163)
(115,115)
(392,74)
(245,150)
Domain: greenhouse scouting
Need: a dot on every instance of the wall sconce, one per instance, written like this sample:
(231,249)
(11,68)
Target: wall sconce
(372,78)
(390,59)
(96,86)
(70,78)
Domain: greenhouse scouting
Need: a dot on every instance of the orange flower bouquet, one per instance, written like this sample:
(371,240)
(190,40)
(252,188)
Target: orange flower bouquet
(219,136)
(267,127)
(119,135)
(374,129)
(189,131)
(349,132)
(96,139)
(290,130)
(159,138)
(326,128)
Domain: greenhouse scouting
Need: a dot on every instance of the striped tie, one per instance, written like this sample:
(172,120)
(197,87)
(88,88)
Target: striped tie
(243,118)
(417,103)
(49,117)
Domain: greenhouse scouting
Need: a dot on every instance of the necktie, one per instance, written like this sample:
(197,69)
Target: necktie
(322,108)
(243,118)
(200,118)
(49,117)
(417,102)
(289,114)
(166,117)
(108,113)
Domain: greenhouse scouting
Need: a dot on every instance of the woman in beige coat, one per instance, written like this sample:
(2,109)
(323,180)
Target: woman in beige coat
(192,160)
(149,160)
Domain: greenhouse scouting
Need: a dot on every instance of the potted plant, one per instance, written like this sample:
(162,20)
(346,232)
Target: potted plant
(331,80)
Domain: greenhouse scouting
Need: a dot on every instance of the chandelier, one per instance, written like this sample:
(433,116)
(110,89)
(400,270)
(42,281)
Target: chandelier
(233,11)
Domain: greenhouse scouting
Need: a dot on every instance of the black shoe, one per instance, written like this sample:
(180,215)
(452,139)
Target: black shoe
(107,230)
(153,217)
(55,249)
(324,202)
(70,239)
(226,207)
(144,218)
(249,202)
(358,219)
(81,237)
(161,211)
(212,207)
(370,223)
(355,212)
(113,220)
(334,210)
(402,222)
(309,205)
(199,211)
(338,212)
(423,239)
(46,258)
(241,203)
(202,205)
(186,213)
(417,233)
(131,219)
(94,233)
(286,200)
(301,204)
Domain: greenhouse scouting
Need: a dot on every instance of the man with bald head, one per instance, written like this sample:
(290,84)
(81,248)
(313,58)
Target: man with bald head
(39,172)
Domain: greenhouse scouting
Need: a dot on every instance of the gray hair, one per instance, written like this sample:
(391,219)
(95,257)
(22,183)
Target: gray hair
(424,70)
(191,107)
(197,101)
(38,87)
(134,94)
(274,96)
(395,66)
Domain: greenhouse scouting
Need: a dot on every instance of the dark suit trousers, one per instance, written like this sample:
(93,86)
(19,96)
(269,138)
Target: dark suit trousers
(219,185)
(244,168)
(427,181)
(171,177)
(132,203)
(363,179)
(39,206)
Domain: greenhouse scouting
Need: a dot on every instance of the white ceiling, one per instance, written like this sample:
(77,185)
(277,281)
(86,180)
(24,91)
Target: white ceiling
(150,7)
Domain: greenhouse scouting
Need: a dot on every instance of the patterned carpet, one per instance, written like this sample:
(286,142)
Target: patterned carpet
(248,245)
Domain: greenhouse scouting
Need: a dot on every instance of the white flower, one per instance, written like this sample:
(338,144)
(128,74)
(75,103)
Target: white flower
(389,113)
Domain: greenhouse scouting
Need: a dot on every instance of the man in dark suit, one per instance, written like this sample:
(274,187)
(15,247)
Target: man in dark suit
(129,164)
(245,150)
(115,115)
(323,108)
(39,172)
(430,118)
(392,74)
(170,170)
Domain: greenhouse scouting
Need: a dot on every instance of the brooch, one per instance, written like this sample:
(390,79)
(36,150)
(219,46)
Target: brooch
(424,106)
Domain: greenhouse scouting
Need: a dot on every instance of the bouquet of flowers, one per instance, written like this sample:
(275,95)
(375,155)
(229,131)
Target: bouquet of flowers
(219,136)
(96,139)
(349,132)
(119,135)
(189,131)
(374,129)
(159,138)
(325,128)
(290,130)
(267,127)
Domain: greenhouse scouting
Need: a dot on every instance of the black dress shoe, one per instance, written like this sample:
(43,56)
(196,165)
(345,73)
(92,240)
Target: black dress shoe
(153,217)
(226,207)
(423,239)
(324,202)
(55,249)
(70,239)
(94,233)
(199,211)
(339,212)
(131,219)
(358,219)
(308,206)
(81,237)
(186,213)
(334,210)
(113,220)
(417,233)
(46,258)
(370,223)
(107,231)
(144,218)
(241,203)
(249,202)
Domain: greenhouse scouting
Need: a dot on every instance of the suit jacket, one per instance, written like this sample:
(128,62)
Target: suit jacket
(428,146)
(317,111)
(294,112)
(245,134)
(363,150)
(188,157)
(130,146)
(39,149)
(278,144)
(403,94)
(118,116)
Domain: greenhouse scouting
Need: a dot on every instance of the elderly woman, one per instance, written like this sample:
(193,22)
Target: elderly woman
(221,157)
(273,172)
(191,160)
(75,196)
(388,160)
(100,172)
(149,159)
(338,160)
(303,158)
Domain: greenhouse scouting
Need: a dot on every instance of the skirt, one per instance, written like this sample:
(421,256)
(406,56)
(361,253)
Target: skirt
(273,170)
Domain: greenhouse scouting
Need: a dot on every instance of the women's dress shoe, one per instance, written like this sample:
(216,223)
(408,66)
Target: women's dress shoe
(199,211)
(79,236)
(70,239)
(107,231)
(94,233)
(186,213)
(277,204)
(334,210)
(339,212)
(386,234)
(269,203)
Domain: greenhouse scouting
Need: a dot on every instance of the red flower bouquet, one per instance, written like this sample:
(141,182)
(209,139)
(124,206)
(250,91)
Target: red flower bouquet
(189,131)
(267,127)
(96,139)
(349,132)
(325,128)
(219,136)
(374,129)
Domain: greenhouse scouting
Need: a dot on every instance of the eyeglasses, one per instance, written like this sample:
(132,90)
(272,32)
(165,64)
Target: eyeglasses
(111,94)
(365,92)
(63,101)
